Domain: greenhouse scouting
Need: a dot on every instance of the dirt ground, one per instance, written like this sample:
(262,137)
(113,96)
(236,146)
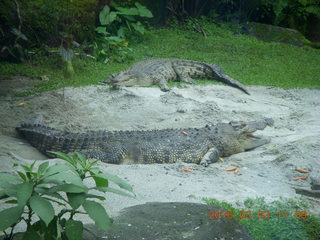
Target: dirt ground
(264,172)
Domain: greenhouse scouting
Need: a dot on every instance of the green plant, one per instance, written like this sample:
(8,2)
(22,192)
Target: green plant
(124,21)
(110,48)
(12,42)
(33,191)
(291,13)
(116,27)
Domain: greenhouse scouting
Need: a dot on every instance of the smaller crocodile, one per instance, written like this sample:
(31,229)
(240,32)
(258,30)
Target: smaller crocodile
(160,71)
(193,145)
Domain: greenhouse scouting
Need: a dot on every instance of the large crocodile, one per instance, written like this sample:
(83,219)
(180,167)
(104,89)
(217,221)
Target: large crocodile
(194,145)
(160,71)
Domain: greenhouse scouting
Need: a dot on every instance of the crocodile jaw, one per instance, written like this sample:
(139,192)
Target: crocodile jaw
(250,141)
(122,77)
(246,138)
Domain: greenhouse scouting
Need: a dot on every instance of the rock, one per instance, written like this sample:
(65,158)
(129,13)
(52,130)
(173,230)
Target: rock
(171,220)
(270,33)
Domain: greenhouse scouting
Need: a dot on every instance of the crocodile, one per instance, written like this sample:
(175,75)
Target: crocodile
(203,145)
(160,71)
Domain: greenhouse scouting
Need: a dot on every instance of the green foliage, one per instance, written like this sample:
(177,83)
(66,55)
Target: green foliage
(117,26)
(281,219)
(110,48)
(35,191)
(246,59)
(14,49)
(43,20)
(291,13)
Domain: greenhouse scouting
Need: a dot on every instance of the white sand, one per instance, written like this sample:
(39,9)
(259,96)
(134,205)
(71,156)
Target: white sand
(264,172)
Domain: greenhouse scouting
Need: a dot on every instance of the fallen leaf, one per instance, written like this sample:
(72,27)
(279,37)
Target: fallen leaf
(185,133)
(185,169)
(231,169)
(302,170)
(22,104)
(299,178)
(221,159)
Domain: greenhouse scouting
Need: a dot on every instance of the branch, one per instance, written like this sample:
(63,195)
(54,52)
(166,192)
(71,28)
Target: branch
(20,20)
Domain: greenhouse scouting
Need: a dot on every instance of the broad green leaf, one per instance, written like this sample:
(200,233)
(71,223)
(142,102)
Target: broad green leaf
(9,189)
(121,183)
(67,177)
(53,229)
(121,32)
(115,39)
(76,199)
(95,196)
(102,30)
(42,168)
(128,11)
(74,229)
(143,11)
(61,155)
(98,214)
(31,234)
(68,187)
(106,17)
(104,11)
(116,191)
(138,27)
(3,194)
(25,167)
(54,201)
(12,201)
(42,208)
(24,192)
(9,216)
(110,18)
(130,19)
(58,168)
(9,178)
(91,163)
(100,182)
(48,192)
(22,175)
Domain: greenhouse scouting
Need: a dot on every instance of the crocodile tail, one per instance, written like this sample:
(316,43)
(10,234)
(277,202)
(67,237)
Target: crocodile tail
(222,77)
(41,137)
(36,120)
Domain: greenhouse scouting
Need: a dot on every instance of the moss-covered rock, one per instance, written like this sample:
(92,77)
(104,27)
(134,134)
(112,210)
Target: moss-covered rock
(270,33)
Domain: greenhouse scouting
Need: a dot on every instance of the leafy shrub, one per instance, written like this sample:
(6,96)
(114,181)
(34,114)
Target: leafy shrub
(34,191)
(290,13)
(43,20)
(117,26)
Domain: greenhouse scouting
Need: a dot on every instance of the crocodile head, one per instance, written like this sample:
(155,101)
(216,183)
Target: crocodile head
(129,79)
(240,137)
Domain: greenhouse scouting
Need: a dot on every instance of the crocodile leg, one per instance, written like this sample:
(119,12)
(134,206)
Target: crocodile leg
(211,156)
(163,85)
(182,74)
(114,153)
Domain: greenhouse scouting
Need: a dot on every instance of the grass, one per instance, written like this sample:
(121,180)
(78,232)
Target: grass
(287,219)
(244,58)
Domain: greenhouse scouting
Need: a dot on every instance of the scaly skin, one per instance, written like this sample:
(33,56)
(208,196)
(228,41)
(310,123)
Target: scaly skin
(161,71)
(193,145)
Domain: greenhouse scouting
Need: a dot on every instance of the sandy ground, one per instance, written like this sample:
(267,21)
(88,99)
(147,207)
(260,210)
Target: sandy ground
(264,172)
